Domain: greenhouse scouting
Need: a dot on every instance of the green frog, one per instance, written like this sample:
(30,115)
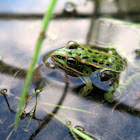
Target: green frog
(78,60)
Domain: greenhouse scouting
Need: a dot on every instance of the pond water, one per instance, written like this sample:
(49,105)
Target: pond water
(117,120)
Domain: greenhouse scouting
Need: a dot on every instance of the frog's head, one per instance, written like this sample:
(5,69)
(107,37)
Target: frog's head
(68,59)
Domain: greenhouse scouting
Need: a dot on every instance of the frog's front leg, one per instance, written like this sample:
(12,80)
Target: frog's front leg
(87,88)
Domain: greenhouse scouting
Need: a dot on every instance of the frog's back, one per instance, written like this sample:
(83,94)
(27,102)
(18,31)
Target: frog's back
(96,58)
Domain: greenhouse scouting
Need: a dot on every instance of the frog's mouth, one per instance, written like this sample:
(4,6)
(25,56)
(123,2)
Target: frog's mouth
(72,72)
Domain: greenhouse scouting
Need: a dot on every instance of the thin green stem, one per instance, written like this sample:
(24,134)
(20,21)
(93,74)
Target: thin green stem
(46,20)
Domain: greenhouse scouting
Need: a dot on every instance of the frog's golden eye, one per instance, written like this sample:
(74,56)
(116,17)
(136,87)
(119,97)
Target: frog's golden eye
(72,45)
(71,61)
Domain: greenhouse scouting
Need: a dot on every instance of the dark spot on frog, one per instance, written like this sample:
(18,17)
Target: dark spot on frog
(96,53)
(108,64)
(85,57)
(89,51)
(70,53)
(94,60)
(101,62)
(81,48)
(93,56)
(105,57)
(78,54)
(117,68)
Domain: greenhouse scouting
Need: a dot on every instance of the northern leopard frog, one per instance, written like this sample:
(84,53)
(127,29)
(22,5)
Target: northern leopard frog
(78,60)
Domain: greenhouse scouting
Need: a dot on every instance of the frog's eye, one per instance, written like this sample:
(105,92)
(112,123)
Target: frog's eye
(71,61)
(72,45)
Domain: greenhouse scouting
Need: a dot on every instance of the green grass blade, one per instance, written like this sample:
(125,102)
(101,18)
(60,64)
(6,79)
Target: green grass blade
(34,59)
(66,107)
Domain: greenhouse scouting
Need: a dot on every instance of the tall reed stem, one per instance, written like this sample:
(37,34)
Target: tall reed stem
(41,37)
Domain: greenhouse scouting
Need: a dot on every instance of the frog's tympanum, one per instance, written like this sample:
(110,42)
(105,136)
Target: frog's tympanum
(78,60)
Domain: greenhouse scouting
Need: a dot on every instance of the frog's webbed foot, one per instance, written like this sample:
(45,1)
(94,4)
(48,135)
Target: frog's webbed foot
(87,88)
